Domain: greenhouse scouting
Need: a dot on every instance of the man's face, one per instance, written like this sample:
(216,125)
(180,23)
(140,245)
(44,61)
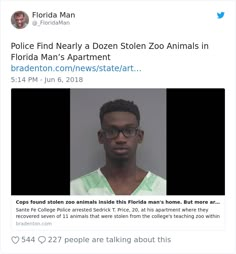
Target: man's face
(120,147)
(20,20)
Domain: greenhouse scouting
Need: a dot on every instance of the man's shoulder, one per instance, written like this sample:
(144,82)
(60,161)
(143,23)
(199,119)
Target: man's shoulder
(90,176)
(157,183)
(157,177)
(87,183)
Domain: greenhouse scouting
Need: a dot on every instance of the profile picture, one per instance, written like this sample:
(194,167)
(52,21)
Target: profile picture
(19,19)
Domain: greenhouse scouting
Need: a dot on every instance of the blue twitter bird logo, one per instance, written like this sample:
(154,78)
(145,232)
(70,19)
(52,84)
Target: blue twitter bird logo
(220,15)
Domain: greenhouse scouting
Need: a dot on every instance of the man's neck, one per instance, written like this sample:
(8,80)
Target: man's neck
(124,178)
(122,169)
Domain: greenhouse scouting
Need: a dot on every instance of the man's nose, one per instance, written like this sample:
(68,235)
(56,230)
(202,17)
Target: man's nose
(121,137)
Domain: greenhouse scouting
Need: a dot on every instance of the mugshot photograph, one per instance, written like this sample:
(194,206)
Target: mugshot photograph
(118,141)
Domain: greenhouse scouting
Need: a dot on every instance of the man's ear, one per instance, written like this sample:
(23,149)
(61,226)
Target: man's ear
(100,137)
(140,136)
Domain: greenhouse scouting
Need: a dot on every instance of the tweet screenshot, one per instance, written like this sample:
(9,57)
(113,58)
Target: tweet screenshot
(117,126)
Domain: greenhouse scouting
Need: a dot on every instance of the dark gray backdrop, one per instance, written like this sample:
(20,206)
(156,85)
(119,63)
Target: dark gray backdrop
(87,154)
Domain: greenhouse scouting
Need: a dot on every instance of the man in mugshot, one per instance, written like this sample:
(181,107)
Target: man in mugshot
(120,135)
(19,18)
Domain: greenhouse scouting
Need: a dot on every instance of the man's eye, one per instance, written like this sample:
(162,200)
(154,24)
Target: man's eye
(111,131)
(128,131)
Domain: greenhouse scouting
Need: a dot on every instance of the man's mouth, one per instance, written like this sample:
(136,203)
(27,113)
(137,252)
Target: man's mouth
(120,150)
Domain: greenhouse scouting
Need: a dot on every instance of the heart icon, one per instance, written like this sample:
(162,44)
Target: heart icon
(15,239)
(41,239)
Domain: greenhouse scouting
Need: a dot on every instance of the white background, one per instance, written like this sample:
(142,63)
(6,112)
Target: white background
(141,22)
